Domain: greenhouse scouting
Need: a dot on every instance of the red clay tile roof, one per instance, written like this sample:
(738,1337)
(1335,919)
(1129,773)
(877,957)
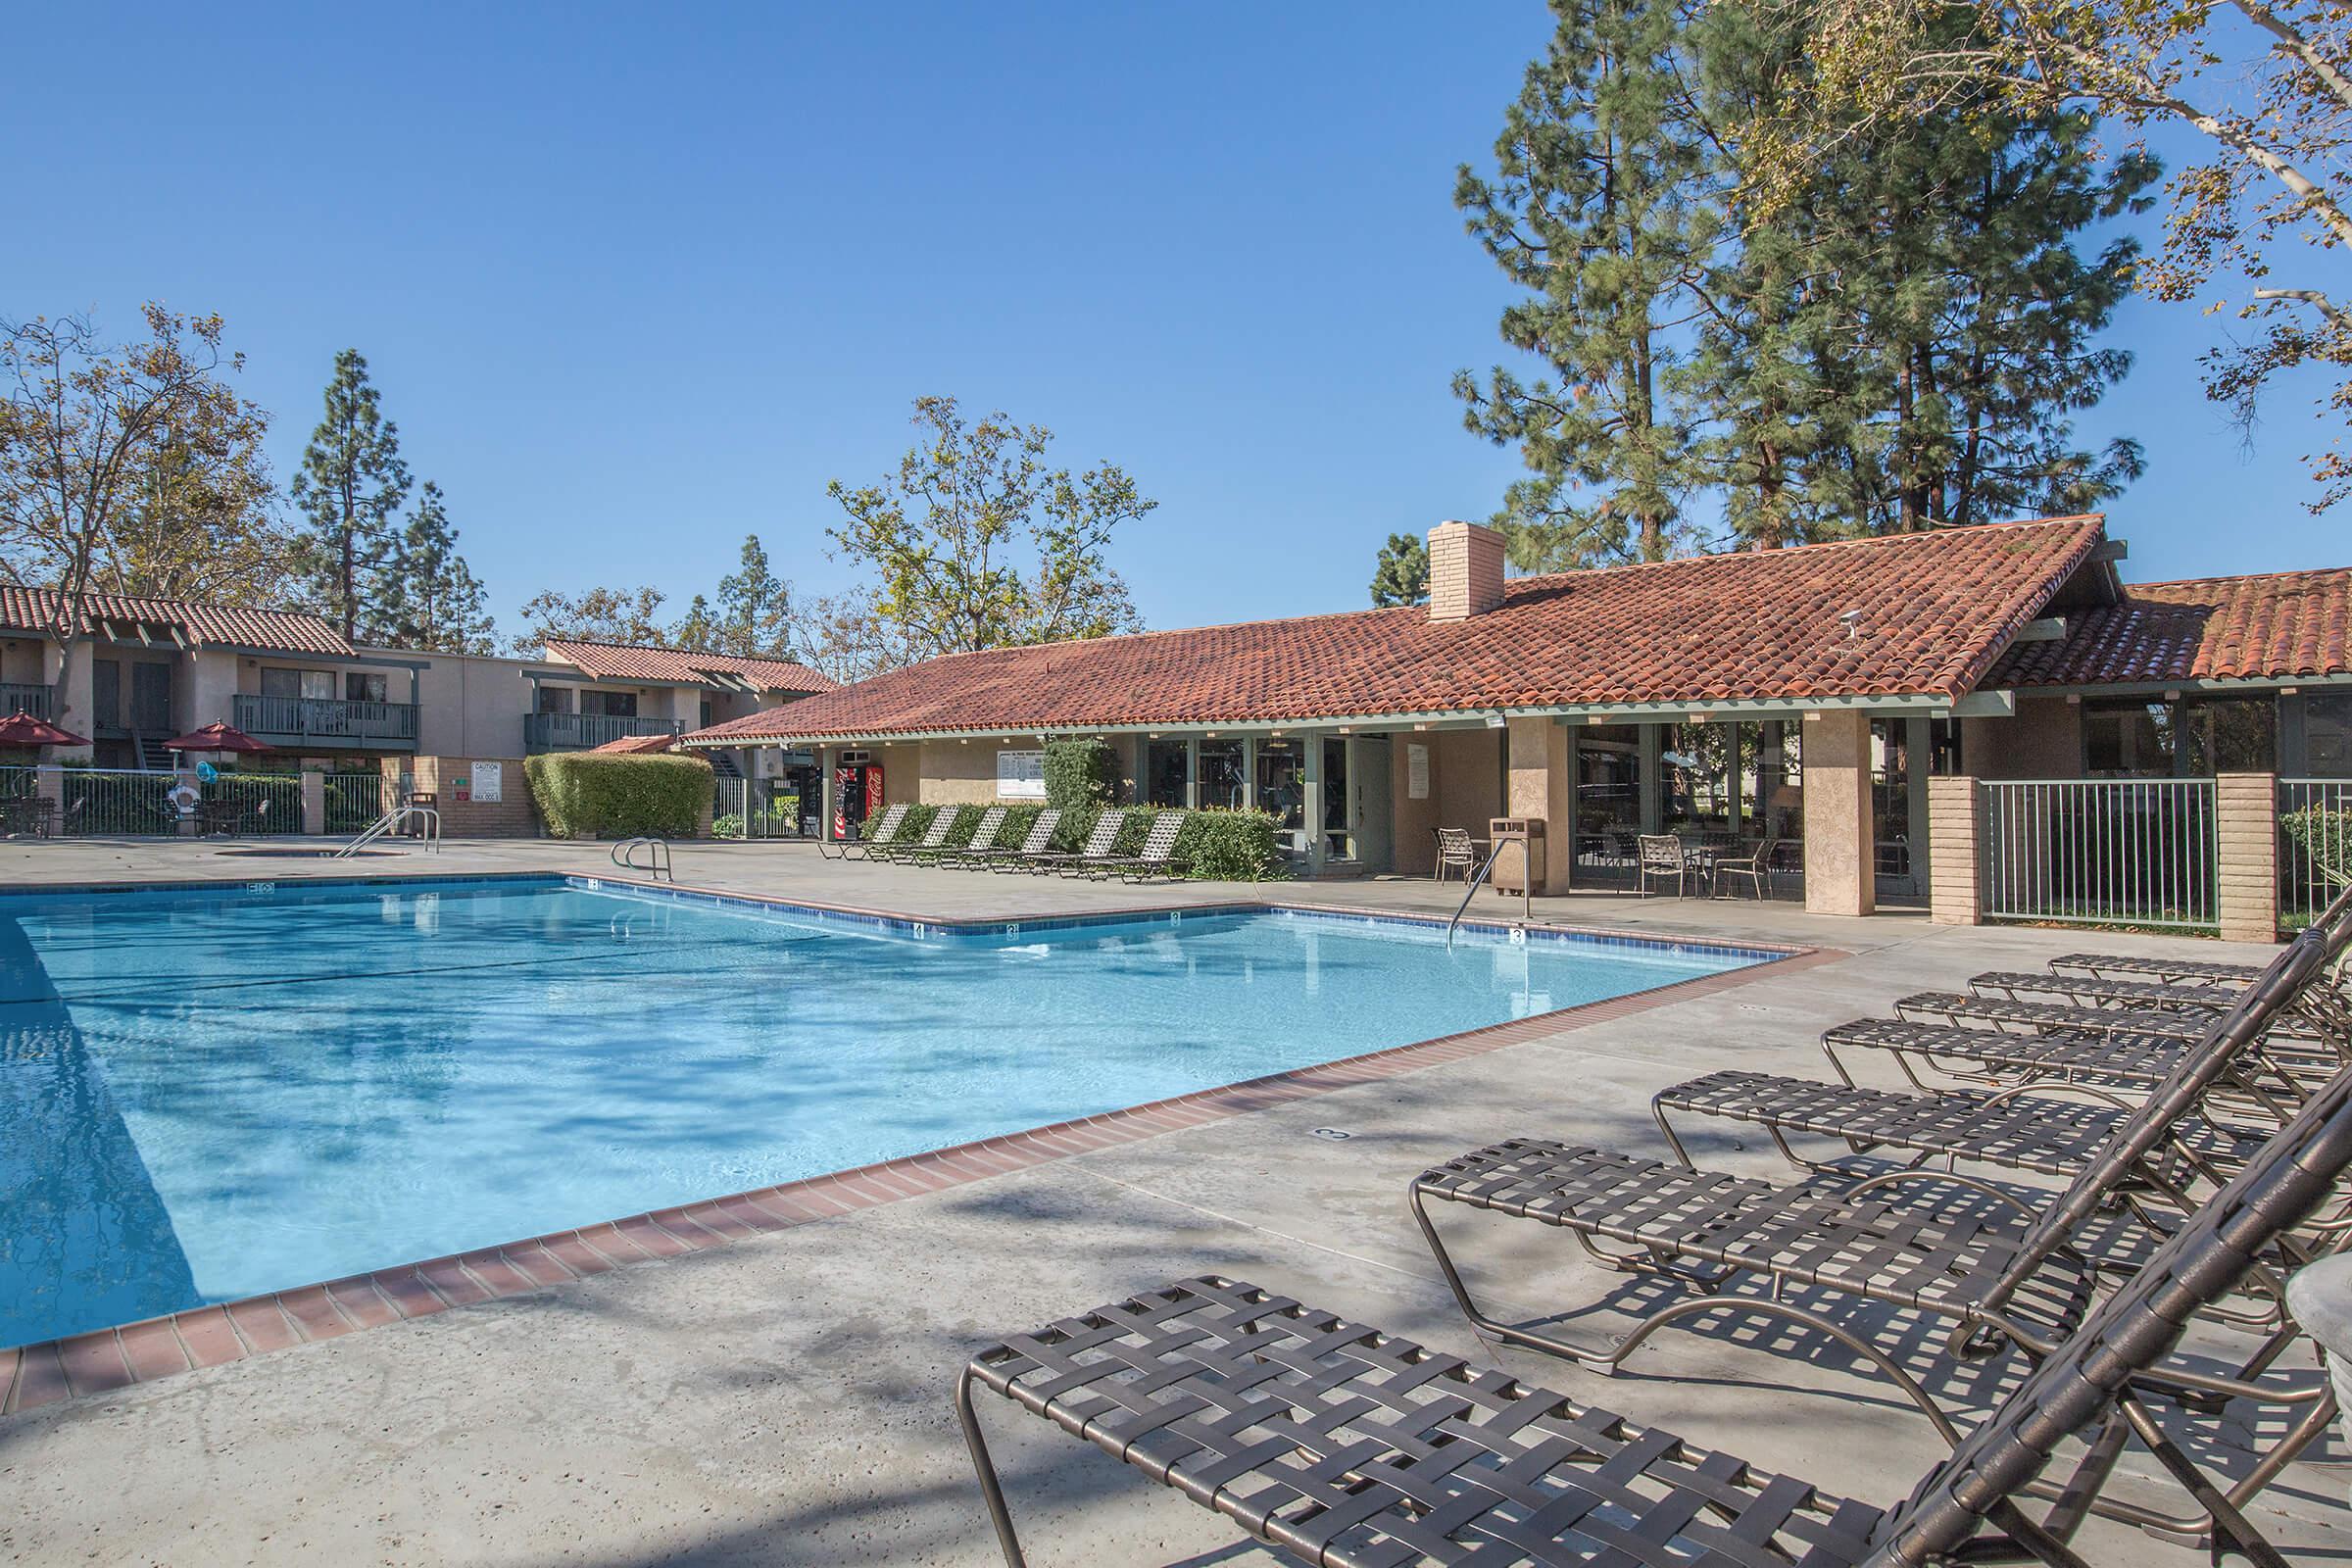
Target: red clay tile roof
(634,745)
(615,661)
(207,625)
(1934,609)
(2279,624)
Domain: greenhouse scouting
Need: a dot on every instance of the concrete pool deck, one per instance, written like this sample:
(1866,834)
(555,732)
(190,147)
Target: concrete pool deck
(784,1397)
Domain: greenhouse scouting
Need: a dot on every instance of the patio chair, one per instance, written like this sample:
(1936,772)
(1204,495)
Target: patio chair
(984,831)
(1097,847)
(2172,972)
(935,837)
(1661,855)
(1455,852)
(2000,1057)
(1997,1013)
(1953,1248)
(1349,1447)
(1756,867)
(2085,991)
(1038,840)
(862,848)
(1157,856)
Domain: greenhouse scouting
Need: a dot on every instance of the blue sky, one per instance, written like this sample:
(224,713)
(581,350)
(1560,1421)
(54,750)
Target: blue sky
(634,284)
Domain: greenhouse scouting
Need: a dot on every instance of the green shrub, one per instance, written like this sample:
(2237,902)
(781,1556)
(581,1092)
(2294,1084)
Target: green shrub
(1080,774)
(2325,836)
(1217,844)
(728,825)
(585,795)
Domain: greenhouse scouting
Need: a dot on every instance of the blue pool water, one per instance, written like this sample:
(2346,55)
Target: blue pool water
(206,1095)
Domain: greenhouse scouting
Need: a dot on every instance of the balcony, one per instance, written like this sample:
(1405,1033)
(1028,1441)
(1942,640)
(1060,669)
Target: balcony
(38,700)
(577,732)
(295,723)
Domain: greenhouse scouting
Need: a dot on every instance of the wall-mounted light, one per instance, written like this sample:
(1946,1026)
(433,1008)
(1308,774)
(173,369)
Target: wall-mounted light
(1498,721)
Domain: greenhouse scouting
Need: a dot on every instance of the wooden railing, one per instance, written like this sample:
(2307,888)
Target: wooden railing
(40,700)
(324,718)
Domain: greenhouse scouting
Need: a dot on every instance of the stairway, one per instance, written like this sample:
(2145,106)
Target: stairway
(724,764)
(152,753)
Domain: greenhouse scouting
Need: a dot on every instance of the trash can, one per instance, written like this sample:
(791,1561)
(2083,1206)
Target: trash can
(1519,870)
(414,827)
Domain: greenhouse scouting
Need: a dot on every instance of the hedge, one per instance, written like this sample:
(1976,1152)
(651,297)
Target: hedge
(585,795)
(1080,774)
(1219,846)
(2325,836)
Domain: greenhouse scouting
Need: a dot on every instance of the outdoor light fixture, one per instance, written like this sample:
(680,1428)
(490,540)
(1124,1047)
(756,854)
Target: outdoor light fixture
(1496,722)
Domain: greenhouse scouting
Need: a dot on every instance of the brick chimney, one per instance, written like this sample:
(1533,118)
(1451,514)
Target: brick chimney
(1465,571)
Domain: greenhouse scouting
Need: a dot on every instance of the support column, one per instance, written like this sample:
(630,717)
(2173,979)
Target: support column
(314,802)
(1191,774)
(1310,803)
(1536,753)
(2245,809)
(1653,781)
(825,793)
(1956,844)
(1841,870)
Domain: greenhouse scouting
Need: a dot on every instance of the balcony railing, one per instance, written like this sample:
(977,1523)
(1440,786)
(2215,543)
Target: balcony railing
(325,720)
(38,700)
(574,732)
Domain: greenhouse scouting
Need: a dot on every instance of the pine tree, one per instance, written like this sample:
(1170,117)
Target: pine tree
(1597,211)
(350,484)
(698,629)
(1400,576)
(754,606)
(429,598)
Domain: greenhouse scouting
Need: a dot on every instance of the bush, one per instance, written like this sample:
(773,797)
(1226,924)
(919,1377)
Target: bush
(1080,774)
(2325,836)
(1217,844)
(590,794)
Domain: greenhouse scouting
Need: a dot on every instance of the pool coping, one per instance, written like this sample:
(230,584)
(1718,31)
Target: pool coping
(105,1360)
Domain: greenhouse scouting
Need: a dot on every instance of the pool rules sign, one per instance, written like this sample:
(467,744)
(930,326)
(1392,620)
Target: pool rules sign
(481,781)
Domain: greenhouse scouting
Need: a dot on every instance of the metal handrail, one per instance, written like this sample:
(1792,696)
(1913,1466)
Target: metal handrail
(384,824)
(1476,877)
(657,858)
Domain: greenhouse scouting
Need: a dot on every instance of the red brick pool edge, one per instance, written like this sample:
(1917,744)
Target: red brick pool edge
(107,1359)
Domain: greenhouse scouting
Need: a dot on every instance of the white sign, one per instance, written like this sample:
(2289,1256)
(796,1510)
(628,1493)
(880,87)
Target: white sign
(489,781)
(1020,775)
(1416,772)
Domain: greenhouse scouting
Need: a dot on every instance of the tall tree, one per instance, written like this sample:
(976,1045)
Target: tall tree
(1595,212)
(1400,576)
(601,615)
(699,628)
(754,606)
(350,483)
(84,426)
(430,598)
(199,528)
(850,638)
(978,544)
(2266,218)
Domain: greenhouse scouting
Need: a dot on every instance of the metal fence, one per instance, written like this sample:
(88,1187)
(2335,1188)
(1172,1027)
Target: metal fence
(755,809)
(354,801)
(2314,845)
(112,802)
(2100,852)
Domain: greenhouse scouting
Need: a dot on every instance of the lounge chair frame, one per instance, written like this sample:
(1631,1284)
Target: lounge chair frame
(1097,844)
(1036,841)
(894,819)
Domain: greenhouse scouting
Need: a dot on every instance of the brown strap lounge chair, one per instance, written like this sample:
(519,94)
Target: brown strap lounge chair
(1348,1447)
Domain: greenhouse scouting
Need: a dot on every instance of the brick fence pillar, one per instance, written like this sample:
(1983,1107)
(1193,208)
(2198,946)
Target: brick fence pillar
(2245,809)
(314,802)
(1956,851)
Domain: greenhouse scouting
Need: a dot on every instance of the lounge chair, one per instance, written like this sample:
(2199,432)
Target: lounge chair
(1038,840)
(2085,991)
(1156,857)
(2000,1012)
(1097,844)
(984,831)
(1349,1447)
(1999,1058)
(2014,1277)
(2172,972)
(863,848)
(935,837)
(985,834)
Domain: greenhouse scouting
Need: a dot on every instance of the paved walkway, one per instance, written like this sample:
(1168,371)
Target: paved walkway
(784,1398)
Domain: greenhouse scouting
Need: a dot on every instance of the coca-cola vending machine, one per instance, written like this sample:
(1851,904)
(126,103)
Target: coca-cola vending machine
(857,792)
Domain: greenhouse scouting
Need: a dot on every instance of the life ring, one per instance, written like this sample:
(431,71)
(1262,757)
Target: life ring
(183,798)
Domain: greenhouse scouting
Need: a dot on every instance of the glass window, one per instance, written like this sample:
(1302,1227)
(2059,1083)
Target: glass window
(1167,767)
(1335,800)
(2127,740)
(1695,770)
(1778,806)
(2192,738)
(554,700)
(282,683)
(2230,735)
(359,688)
(1221,774)
(1282,782)
(618,705)
(2327,735)
(1608,788)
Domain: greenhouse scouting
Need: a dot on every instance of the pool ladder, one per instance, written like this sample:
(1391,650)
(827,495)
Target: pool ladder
(424,816)
(1477,880)
(657,857)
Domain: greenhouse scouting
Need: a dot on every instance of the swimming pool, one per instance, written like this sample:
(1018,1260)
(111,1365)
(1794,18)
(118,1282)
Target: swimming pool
(210,1093)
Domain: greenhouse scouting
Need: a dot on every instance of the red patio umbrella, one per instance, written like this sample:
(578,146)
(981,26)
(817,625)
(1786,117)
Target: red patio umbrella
(20,728)
(214,737)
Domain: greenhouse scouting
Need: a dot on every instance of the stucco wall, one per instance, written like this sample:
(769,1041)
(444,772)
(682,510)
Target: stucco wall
(2043,741)
(467,705)
(1469,782)
(1415,821)
(956,774)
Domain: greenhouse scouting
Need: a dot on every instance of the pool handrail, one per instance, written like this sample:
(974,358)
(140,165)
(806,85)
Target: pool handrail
(657,859)
(425,815)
